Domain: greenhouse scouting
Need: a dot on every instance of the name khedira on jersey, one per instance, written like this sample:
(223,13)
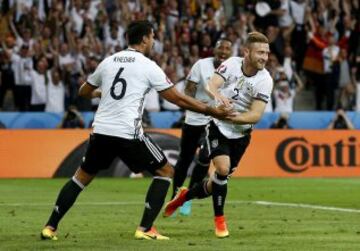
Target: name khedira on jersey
(124,59)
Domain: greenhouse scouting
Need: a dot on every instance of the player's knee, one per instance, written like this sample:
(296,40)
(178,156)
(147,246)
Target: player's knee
(170,171)
(83,177)
(222,170)
(166,171)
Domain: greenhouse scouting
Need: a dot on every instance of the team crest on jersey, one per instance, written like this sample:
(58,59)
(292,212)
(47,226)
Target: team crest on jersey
(214,143)
(221,69)
(241,82)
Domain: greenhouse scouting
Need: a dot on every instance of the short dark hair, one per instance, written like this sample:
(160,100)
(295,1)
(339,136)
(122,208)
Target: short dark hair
(223,39)
(256,37)
(136,30)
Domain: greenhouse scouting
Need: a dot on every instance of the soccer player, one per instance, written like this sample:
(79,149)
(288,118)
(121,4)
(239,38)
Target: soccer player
(246,85)
(193,130)
(122,80)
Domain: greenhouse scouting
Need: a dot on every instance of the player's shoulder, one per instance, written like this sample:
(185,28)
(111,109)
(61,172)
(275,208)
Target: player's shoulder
(233,60)
(205,60)
(204,63)
(264,77)
(264,74)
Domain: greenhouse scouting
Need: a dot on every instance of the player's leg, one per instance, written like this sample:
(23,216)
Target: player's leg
(225,165)
(219,192)
(198,174)
(153,160)
(202,165)
(154,201)
(65,200)
(188,145)
(202,189)
(94,157)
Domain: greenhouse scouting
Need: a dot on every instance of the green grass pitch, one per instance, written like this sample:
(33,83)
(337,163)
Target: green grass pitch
(309,214)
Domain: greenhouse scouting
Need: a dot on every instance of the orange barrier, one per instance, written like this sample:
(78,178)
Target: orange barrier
(36,153)
(272,153)
(302,153)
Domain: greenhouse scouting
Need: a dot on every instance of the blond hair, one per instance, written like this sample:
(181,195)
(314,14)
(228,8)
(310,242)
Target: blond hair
(256,37)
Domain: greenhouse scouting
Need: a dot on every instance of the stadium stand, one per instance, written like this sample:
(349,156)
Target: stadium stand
(44,120)
(49,47)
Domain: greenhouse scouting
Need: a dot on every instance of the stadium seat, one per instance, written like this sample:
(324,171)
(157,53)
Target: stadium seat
(266,120)
(310,120)
(164,119)
(33,120)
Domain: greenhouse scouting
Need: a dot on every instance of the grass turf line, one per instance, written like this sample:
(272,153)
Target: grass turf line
(252,226)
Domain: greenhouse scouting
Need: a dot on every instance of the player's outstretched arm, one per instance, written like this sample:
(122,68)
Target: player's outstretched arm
(188,103)
(190,88)
(212,89)
(250,117)
(89,91)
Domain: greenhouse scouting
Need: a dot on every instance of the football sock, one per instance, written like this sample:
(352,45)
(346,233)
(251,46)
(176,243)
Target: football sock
(198,191)
(65,200)
(154,200)
(219,191)
(199,173)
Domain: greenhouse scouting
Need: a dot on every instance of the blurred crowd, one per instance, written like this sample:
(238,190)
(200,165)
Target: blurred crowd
(48,47)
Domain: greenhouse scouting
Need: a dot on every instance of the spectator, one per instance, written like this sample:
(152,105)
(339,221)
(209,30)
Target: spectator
(331,70)
(7,81)
(284,94)
(22,65)
(55,92)
(69,33)
(346,94)
(39,80)
(281,122)
(341,121)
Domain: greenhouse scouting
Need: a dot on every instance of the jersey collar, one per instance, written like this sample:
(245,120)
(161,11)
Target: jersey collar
(242,69)
(132,49)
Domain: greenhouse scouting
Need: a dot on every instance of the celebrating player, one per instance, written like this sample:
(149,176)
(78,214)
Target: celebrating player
(246,85)
(122,81)
(193,130)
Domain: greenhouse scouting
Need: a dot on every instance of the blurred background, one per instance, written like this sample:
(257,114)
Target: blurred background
(49,47)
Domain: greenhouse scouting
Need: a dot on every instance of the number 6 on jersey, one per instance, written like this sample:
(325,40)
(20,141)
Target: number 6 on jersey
(118,79)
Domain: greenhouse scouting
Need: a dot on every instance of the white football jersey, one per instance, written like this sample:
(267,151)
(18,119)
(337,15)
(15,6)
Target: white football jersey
(200,74)
(241,90)
(124,79)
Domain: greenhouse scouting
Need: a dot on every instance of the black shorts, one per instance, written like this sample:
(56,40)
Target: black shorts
(220,145)
(138,154)
(193,137)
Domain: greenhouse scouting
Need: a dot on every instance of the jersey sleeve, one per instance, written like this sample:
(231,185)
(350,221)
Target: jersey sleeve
(263,89)
(158,79)
(224,70)
(194,74)
(95,78)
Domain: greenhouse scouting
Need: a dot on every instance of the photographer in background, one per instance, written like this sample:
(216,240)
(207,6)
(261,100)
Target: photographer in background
(72,119)
(281,123)
(341,121)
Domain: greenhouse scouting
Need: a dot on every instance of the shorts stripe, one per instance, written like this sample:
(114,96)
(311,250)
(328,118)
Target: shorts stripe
(155,152)
(207,138)
(154,147)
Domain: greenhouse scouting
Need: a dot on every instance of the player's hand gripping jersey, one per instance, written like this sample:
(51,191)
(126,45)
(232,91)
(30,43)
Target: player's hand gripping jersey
(241,90)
